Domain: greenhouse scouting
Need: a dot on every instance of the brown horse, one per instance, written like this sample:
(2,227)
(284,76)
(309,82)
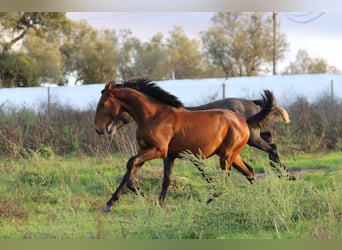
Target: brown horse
(260,140)
(165,129)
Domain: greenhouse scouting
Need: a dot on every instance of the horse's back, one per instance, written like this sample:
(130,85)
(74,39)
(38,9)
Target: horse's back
(239,105)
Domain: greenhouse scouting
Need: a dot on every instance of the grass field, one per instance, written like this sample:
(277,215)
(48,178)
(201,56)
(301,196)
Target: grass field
(63,198)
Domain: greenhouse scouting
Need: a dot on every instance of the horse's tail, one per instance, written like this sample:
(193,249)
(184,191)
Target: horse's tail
(269,108)
(280,112)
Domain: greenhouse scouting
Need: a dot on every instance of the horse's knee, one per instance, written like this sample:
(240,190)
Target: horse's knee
(130,163)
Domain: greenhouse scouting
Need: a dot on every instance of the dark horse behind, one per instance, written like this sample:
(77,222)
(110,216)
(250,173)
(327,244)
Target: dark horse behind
(261,140)
(165,129)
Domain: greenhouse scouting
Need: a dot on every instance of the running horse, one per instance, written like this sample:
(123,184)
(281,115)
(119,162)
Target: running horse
(165,129)
(261,140)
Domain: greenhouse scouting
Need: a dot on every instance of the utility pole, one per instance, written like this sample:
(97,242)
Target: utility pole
(275,14)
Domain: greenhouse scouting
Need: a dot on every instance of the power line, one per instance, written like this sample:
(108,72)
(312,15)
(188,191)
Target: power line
(296,18)
(301,14)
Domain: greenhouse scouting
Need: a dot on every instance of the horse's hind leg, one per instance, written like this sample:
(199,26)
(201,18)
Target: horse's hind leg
(272,151)
(240,165)
(263,141)
(273,154)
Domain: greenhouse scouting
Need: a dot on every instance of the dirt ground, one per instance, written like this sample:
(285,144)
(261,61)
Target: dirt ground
(297,172)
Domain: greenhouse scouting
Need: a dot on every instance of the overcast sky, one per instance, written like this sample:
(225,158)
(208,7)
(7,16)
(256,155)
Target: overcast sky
(318,33)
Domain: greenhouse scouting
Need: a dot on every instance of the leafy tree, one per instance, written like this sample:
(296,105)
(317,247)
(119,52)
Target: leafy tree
(241,44)
(128,52)
(15,25)
(152,60)
(157,60)
(47,58)
(17,69)
(91,53)
(184,55)
(304,64)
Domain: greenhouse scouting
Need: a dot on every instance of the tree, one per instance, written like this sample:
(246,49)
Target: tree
(15,25)
(128,53)
(241,44)
(178,56)
(184,55)
(304,64)
(17,69)
(91,53)
(152,60)
(47,58)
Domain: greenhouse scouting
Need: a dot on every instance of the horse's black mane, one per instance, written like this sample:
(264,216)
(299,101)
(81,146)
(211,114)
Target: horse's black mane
(152,89)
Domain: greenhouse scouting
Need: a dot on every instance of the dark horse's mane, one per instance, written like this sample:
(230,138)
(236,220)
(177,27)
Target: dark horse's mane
(153,90)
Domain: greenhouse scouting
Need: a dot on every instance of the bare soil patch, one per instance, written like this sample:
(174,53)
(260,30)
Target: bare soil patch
(298,172)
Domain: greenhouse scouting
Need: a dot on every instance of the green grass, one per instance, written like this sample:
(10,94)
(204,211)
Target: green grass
(63,198)
(312,161)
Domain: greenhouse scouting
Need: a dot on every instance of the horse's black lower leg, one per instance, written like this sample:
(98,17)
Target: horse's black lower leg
(117,193)
(263,141)
(168,165)
(272,151)
(126,179)
(274,157)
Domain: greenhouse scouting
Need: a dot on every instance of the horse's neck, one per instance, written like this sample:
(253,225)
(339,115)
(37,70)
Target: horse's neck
(137,105)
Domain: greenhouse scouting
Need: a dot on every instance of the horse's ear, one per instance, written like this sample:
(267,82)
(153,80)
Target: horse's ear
(110,85)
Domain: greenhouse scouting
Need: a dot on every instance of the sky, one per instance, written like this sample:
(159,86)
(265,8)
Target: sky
(319,33)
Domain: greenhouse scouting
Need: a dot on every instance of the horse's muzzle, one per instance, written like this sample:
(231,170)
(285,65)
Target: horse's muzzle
(100,130)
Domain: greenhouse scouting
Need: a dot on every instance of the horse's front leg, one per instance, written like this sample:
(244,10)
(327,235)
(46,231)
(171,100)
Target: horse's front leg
(124,181)
(132,166)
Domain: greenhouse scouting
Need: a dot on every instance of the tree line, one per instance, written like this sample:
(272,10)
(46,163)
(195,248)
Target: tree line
(38,47)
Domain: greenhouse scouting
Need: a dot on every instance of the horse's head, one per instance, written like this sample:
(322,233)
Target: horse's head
(107,109)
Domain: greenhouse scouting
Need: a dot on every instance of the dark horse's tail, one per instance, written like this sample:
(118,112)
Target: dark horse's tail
(269,108)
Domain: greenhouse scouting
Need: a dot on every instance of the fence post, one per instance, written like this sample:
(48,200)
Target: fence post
(332,91)
(48,100)
(333,107)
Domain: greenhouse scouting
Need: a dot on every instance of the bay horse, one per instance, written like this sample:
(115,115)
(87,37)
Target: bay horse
(261,140)
(165,129)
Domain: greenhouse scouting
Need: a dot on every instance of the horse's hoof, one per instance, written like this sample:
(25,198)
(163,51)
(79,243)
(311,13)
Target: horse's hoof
(107,209)
(291,178)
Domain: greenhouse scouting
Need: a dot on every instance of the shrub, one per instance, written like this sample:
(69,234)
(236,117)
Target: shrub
(61,130)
